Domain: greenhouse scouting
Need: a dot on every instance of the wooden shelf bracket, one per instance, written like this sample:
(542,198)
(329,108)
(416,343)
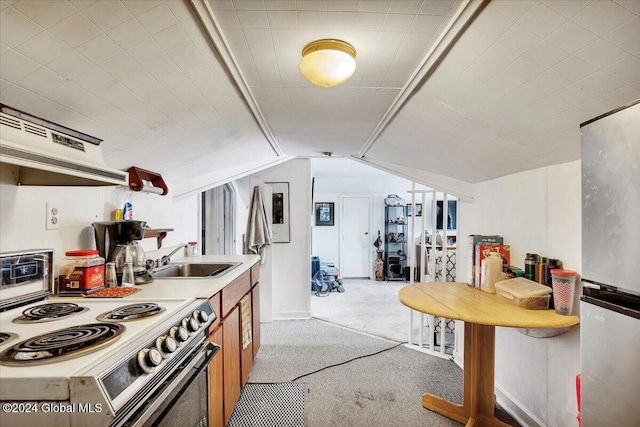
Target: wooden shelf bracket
(158,233)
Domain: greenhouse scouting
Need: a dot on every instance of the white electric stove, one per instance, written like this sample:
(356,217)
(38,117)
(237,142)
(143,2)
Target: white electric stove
(96,362)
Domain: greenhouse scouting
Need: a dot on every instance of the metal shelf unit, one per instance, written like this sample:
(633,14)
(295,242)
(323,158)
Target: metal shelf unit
(395,242)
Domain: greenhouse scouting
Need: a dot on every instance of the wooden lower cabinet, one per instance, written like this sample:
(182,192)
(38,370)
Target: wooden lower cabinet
(231,360)
(230,369)
(216,375)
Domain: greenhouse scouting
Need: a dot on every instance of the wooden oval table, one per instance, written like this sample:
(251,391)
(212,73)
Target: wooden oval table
(481,312)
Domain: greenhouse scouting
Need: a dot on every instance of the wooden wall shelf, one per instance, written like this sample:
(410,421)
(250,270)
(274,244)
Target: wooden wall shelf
(158,233)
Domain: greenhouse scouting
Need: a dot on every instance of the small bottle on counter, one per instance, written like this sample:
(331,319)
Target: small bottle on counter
(552,264)
(491,272)
(128,280)
(530,266)
(110,278)
(540,270)
(127,210)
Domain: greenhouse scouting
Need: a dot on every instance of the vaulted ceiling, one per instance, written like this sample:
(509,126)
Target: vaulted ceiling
(470,90)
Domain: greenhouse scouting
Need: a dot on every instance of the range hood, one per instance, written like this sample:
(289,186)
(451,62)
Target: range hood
(47,153)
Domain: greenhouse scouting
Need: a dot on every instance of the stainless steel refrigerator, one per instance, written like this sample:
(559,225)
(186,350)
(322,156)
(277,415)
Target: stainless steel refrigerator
(610,301)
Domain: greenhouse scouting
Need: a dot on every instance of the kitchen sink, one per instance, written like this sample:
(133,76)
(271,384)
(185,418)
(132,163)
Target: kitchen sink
(179,270)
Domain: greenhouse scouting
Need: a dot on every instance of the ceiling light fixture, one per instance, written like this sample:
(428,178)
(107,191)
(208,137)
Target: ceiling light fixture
(328,62)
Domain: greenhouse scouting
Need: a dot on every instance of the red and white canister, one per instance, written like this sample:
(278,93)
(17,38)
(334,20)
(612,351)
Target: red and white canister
(83,271)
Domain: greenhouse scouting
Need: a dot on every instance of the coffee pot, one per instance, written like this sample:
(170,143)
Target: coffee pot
(133,253)
(116,241)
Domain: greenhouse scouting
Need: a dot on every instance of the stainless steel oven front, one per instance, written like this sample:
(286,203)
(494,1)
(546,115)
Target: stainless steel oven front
(181,399)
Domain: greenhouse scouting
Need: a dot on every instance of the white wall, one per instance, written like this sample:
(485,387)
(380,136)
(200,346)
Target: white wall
(22,216)
(291,274)
(537,211)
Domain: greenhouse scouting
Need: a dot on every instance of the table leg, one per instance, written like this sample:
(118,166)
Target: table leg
(477,409)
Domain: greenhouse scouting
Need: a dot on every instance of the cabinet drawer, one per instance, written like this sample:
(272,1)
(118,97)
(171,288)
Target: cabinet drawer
(215,303)
(255,273)
(232,293)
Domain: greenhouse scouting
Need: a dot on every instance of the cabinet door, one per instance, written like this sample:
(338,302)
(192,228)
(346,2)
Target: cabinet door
(216,397)
(255,307)
(231,360)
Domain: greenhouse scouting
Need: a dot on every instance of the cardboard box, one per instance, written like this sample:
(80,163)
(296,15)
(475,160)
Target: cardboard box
(475,239)
(481,253)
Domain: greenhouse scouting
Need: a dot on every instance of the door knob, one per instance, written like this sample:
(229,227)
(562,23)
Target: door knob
(366,232)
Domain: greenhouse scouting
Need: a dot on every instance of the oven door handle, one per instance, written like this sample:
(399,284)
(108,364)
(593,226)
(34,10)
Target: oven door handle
(144,415)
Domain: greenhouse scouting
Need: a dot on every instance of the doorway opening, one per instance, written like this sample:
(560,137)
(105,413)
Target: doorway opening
(218,221)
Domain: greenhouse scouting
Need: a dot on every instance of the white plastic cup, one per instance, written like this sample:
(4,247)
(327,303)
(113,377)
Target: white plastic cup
(192,249)
(564,288)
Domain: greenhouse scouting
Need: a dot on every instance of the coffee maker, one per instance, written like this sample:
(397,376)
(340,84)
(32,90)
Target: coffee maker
(116,241)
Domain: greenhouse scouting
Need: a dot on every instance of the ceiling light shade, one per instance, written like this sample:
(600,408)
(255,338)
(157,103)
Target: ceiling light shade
(328,62)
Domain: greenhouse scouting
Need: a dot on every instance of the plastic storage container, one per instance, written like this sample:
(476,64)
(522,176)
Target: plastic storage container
(83,271)
(524,293)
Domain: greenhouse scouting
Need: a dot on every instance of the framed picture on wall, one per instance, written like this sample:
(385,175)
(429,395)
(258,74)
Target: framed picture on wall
(324,213)
(280,212)
(409,211)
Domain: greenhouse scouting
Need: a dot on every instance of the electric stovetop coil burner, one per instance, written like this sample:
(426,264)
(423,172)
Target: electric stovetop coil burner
(49,312)
(62,344)
(132,312)
(5,337)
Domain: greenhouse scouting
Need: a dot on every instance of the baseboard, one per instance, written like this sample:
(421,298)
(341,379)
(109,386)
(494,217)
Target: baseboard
(513,408)
(291,315)
(458,358)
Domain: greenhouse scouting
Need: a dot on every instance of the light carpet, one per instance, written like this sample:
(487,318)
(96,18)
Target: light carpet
(367,306)
(384,390)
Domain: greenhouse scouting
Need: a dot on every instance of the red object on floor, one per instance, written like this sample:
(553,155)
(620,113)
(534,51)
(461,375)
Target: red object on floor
(578,396)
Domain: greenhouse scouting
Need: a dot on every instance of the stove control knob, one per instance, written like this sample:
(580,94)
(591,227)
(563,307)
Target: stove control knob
(190,324)
(179,333)
(201,316)
(166,345)
(154,357)
(148,359)
(193,325)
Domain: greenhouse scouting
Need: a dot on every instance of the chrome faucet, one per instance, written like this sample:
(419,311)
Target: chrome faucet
(165,259)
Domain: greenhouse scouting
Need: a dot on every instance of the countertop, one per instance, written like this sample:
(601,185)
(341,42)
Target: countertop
(169,288)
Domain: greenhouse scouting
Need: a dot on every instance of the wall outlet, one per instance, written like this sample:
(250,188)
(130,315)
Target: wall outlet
(52,217)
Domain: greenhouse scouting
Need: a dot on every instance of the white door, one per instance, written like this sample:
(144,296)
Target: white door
(355,238)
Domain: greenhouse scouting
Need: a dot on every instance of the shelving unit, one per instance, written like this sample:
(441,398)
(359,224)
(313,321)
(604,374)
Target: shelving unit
(395,242)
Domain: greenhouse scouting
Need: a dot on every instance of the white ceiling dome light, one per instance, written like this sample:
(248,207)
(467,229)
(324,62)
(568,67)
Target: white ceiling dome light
(328,62)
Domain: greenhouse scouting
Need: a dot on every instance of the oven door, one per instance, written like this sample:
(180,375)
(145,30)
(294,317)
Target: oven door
(182,399)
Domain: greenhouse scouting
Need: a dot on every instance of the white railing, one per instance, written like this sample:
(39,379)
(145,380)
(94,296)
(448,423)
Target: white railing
(428,322)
